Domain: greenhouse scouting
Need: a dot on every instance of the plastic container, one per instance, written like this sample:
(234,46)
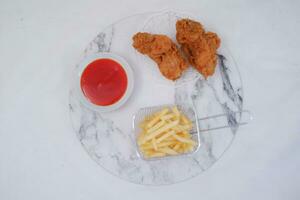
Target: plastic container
(147,111)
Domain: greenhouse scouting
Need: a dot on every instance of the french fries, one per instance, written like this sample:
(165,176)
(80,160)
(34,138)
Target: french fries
(164,133)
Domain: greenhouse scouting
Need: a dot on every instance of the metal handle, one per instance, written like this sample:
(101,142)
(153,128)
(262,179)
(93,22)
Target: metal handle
(226,120)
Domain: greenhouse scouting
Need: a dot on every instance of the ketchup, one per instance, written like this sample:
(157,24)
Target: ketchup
(104,82)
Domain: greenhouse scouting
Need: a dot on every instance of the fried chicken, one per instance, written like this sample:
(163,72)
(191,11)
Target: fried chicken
(163,51)
(199,46)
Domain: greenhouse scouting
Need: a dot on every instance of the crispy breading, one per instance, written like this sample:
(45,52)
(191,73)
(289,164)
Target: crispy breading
(163,51)
(199,46)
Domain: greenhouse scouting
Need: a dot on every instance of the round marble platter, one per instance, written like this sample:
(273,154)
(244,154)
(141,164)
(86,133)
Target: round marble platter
(109,138)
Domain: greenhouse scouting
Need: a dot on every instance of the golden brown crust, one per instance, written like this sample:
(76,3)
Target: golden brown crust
(199,46)
(163,51)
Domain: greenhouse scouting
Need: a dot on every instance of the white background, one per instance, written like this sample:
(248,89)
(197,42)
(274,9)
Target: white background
(40,156)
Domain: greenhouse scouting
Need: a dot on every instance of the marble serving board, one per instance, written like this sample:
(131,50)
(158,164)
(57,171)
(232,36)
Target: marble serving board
(108,137)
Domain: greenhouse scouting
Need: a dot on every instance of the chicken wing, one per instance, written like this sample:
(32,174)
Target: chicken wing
(199,46)
(163,51)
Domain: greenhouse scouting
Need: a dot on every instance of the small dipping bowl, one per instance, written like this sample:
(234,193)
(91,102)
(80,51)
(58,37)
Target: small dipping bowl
(105,81)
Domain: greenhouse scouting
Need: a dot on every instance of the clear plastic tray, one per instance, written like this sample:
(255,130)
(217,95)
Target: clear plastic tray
(147,111)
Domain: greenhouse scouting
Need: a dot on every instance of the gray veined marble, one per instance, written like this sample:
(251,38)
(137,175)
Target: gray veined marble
(108,138)
(102,42)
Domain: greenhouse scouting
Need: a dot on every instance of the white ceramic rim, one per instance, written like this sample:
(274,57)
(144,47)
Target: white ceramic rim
(130,81)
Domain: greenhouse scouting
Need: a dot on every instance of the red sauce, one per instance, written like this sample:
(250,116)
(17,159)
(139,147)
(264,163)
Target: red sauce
(104,82)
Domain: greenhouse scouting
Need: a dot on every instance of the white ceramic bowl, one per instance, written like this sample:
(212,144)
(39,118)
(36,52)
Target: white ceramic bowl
(130,81)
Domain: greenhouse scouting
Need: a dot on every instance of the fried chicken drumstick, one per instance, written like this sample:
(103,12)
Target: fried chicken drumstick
(163,51)
(199,46)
